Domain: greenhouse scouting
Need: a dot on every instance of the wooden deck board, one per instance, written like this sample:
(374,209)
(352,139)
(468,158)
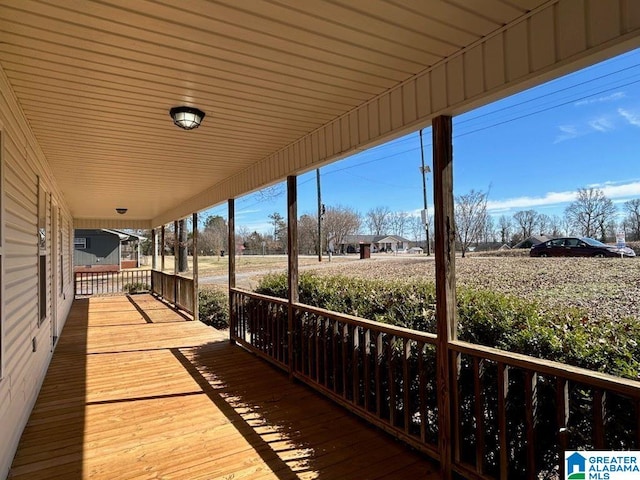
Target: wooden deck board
(135,391)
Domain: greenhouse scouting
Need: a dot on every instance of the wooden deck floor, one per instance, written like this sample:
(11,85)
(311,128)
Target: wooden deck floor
(136,392)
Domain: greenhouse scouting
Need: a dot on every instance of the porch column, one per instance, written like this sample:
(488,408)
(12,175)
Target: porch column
(292,256)
(162,239)
(445,283)
(196,302)
(232,267)
(176,252)
(154,249)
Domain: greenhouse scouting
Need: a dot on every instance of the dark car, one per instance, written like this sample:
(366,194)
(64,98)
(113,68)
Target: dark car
(578,247)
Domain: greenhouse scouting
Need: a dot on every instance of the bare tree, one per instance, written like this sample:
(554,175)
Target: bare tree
(308,234)
(544,223)
(377,220)
(398,222)
(416,227)
(505,226)
(489,232)
(591,212)
(527,221)
(470,217)
(632,218)
(269,194)
(339,222)
(555,226)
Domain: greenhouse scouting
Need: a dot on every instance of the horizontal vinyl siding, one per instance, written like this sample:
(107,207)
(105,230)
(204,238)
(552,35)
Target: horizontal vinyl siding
(23,369)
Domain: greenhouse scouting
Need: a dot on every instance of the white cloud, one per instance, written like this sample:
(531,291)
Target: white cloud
(602,124)
(616,192)
(632,117)
(567,132)
(247,212)
(607,98)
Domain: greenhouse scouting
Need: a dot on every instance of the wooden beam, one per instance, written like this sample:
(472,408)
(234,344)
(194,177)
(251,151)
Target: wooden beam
(162,239)
(196,310)
(292,255)
(232,243)
(445,281)
(232,267)
(292,236)
(175,261)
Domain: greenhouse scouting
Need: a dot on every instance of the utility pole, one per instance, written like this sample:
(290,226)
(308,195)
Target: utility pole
(424,169)
(320,212)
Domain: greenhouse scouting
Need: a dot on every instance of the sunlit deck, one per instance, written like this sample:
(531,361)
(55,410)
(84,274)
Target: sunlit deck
(136,391)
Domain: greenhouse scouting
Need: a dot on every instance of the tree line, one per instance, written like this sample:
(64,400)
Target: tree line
(591,214)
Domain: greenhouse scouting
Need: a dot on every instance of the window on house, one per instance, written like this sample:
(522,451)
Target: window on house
(60,251)
(42,252)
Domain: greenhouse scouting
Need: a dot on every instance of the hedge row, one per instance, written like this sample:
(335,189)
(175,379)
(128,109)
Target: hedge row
(510,323)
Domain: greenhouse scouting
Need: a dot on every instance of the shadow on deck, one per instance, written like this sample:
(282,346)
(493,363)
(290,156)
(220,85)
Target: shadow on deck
(136,391)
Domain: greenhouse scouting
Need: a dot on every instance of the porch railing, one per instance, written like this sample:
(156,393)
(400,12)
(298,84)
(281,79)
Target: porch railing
(107,283)
(513,415)
(174,289)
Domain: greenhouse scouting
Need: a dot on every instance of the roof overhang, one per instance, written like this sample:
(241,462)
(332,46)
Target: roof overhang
(286,87)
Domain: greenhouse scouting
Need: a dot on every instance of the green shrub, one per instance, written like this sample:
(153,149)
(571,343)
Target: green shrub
(486,317)
(213,307)
(136,287)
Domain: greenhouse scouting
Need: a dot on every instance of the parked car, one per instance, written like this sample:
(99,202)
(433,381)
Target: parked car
(578,247)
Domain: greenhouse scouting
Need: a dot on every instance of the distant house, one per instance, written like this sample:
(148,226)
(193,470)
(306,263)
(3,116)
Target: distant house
(379,243)
(533,240)
(105,250)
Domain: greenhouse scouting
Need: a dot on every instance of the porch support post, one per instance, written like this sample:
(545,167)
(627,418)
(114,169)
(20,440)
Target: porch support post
(196,313)
(445,283)
(231,221)
(292,251)
(162,239)
(176,248)
(154,249)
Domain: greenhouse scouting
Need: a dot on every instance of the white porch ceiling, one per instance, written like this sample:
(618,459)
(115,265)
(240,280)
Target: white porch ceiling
(96,80)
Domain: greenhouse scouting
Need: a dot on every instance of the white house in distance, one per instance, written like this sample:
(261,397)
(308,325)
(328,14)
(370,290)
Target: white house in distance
(86,140)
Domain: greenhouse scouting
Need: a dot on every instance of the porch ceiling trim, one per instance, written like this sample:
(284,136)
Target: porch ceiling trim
(552,40)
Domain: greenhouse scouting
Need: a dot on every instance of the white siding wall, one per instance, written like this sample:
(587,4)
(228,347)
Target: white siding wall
(23,369)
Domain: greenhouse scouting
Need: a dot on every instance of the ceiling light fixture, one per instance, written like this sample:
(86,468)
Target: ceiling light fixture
(187,118)
(121,210)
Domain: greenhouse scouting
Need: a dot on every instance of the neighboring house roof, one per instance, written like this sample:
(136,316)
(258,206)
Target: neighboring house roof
(121,234)
(353,239)
(533,240)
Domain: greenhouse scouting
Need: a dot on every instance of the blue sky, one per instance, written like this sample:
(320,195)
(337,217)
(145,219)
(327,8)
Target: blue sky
(532,150)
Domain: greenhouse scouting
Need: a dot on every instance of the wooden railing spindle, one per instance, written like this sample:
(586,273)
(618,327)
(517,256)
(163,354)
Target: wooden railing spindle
(503,391)
(531,414)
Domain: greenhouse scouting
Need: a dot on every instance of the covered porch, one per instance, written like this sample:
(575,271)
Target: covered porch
(136,391)
(86,142)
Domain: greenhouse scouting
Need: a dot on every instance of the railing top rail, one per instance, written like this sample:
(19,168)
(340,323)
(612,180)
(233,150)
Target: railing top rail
(548,367)
(259,296)
(172,275)
(371,324)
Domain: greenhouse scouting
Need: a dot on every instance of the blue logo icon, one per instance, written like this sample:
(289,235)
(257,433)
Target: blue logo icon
(576,467)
